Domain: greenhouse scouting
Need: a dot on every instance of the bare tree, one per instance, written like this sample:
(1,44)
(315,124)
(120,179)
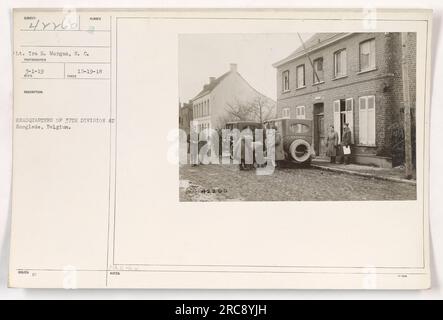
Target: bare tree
(259,109)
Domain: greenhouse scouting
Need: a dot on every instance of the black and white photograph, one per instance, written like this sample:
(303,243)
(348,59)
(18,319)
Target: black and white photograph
(249,149)
(297,116)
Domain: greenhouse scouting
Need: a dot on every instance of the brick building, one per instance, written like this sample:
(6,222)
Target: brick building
(357,80)
(211,104)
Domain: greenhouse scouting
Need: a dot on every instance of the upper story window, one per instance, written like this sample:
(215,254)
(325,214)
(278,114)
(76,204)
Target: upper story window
(318,70)
(367,55)
(301,76)
(202,109)
(340,63)
(285,80)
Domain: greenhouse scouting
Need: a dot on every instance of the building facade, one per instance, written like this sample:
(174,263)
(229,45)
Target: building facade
(354,78)
(213,105)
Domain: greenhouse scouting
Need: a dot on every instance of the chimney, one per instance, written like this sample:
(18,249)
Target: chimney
(233,67)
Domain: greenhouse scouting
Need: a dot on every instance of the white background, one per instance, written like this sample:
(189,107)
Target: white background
(5,159)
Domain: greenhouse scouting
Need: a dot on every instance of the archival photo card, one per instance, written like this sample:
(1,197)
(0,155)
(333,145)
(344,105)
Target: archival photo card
(221,149)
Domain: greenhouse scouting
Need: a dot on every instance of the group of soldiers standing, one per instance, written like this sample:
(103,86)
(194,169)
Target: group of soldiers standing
(342,149)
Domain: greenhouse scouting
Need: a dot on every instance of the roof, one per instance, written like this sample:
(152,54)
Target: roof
(209,87)
(214,83)
(317,41)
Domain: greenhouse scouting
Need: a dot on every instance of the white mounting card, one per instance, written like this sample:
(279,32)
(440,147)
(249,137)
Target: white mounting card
(126,129)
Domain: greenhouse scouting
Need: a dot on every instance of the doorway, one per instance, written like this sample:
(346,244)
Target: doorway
(319,130)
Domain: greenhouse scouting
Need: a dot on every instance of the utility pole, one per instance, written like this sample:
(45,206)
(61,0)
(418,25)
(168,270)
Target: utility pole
(407,107)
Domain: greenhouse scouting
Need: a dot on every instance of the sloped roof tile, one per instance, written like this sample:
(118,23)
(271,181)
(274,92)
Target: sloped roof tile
(211,86)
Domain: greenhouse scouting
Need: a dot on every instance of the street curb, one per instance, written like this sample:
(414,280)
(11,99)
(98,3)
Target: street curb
(364,174)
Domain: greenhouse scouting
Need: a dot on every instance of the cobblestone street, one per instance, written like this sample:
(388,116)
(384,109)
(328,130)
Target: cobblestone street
(227,183)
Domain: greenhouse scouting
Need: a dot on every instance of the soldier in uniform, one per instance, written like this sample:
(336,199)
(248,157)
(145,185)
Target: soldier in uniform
(331,144)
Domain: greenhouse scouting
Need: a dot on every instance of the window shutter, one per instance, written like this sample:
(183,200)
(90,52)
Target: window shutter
(350,116)
(371,120)
(363,127)
(337,128)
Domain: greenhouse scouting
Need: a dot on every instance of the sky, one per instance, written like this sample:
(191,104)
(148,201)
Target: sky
(209,55)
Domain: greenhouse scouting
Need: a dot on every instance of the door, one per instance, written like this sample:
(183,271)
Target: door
(319,130)
(320,148)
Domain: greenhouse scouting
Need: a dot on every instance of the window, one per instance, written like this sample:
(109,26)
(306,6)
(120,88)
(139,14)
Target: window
(318,70)
(298,128)
(285,81)
(367,120)
(301,76)
(285,113)
(340,63)
(300,112)
(367,55)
